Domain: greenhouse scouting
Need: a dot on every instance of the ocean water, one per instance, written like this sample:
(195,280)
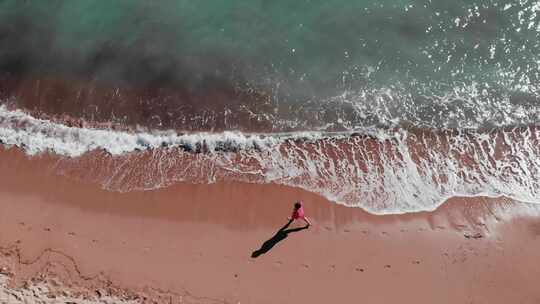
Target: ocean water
(311,64)
(391,106)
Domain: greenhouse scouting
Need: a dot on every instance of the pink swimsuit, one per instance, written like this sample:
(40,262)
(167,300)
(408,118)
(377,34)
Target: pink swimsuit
(298,213)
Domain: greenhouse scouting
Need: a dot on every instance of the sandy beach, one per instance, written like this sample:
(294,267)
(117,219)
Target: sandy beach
(193,244)
(151,152)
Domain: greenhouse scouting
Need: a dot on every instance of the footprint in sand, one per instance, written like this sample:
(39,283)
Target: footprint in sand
(23,224)
(477,235)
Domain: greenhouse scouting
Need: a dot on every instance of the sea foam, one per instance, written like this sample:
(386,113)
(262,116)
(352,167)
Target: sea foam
(38,135)
(382,171)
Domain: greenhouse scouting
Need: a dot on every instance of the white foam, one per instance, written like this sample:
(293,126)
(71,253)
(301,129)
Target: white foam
(37,135)
(396,172)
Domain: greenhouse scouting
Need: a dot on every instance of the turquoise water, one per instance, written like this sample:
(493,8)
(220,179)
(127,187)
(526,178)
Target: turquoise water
(406,59)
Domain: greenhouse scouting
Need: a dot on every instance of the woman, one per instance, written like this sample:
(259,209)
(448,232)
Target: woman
(298,213)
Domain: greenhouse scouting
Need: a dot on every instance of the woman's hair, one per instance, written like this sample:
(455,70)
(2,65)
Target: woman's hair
(297,205)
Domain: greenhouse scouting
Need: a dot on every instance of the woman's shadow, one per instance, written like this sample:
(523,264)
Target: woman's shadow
(278,237)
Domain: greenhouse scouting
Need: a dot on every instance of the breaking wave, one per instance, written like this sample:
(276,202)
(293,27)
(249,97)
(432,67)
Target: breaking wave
(380,170)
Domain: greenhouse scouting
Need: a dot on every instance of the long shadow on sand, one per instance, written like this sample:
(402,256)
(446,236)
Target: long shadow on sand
(278,237)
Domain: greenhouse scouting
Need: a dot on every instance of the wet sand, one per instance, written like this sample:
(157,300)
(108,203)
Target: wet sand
(193,244)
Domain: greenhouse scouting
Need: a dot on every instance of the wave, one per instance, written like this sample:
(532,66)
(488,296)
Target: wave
(384,171)
(36,135)
(466,105)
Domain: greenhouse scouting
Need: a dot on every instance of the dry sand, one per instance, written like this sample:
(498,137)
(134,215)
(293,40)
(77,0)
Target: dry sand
(193,244)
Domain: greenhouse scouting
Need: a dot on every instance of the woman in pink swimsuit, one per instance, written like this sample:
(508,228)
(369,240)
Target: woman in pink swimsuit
(298,213)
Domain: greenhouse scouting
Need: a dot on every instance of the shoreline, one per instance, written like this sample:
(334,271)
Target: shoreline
(356,171)
(193,243)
